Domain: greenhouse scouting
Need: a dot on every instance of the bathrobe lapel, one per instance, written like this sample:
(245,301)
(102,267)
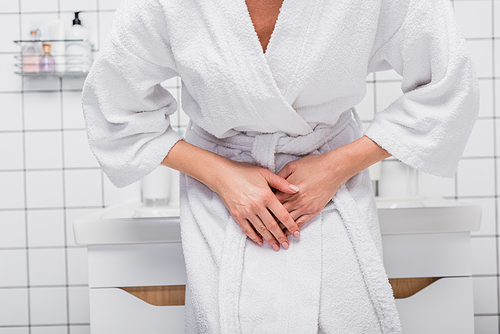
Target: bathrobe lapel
(264,88)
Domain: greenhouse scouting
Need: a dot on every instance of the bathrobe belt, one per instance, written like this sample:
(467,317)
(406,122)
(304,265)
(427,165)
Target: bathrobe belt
(264,146)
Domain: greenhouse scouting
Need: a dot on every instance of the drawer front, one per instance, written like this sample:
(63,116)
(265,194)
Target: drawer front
(136,265)
(427,255)
(445,306)
(113,310)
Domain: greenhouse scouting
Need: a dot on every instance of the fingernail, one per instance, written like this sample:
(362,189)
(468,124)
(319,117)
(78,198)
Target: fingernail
(276,247)
(285,245)
(296,234)
(293,187)
(260,243)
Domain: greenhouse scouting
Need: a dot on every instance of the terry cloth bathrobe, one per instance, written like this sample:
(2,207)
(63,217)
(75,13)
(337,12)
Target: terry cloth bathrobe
(268,109)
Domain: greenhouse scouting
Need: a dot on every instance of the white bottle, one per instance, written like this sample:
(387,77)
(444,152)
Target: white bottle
(58,49)
(77,52)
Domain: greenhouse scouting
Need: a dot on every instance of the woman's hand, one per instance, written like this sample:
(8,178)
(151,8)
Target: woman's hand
(318,179)
(320,176)
(246,191)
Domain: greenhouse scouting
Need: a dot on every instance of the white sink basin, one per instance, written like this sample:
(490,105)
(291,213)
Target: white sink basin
(423,215)
(131,223)
(128,223)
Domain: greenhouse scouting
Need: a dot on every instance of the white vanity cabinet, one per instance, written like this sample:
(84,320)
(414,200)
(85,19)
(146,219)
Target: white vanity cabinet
(137,249)
(114,310)
(427,248)
(132,246)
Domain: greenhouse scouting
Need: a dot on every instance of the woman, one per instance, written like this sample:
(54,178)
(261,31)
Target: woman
(273,150)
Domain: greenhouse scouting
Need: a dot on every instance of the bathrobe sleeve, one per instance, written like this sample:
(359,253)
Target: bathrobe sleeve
(126,109)
(428,126)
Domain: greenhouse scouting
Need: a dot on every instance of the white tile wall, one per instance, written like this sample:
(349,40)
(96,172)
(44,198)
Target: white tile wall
(484,257)
(47,266)
(46,228)
(39,6)
(474,177)
(76,150)
(77,266)
(50,330)
(481,143)
(42,111)
(79,305)
(481,53)
(10,82)
(9,26)
(10,113)
(488,222)
(14,271)
(485,295)
(14,330)
(12,190)
(486,324)
(83,188)
(109,4)
(9,6)
(11,146)
(51,178)
(474,17)
(14,307)
(486,98)
(43,315)
(44,189)
(72,106)
(12,229)
(43,149)
(77,5)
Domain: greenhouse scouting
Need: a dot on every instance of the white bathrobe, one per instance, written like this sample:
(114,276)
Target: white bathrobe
(269,109)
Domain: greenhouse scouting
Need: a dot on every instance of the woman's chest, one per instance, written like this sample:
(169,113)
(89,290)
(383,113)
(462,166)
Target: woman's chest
(264,15)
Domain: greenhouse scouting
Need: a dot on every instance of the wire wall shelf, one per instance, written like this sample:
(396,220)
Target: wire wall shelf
(63,65)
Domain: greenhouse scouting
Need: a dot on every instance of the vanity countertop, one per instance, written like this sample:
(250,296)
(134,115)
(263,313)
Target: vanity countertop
(131,223)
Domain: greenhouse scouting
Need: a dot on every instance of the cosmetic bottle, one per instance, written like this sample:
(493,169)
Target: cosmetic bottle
(58,47)
(47,62)
(77,52)
(31,53)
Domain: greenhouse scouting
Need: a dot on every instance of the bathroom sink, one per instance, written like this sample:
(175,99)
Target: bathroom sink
(426,215)
(131,223)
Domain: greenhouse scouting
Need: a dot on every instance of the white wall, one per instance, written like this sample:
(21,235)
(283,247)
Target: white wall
(48,176)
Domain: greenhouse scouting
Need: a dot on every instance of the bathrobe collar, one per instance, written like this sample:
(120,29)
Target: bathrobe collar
(275,70)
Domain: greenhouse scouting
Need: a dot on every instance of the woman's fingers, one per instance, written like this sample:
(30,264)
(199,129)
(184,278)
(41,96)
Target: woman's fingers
(271,225)
(300,222)
(279,183)
(247,228)
(286,171)
(283,216)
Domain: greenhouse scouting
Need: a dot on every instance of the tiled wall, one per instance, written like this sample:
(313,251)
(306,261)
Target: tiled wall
(48,176)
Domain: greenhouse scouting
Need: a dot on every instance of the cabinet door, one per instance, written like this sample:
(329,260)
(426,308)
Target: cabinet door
(113,310)
(136,265)
(427,255)
(445,306)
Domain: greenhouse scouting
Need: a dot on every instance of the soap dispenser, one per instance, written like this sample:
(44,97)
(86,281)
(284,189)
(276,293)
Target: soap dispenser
(77,52)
